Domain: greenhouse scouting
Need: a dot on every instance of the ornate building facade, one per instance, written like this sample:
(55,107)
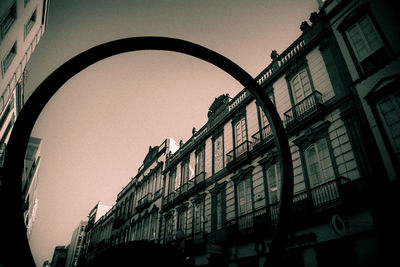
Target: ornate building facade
(335,89)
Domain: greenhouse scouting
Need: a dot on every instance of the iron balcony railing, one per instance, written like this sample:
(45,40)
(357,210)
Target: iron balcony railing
(303,109)
(146,200)
(322,197)
(170,198)
(263,136)
(238,151)
(182,189)
(197,180)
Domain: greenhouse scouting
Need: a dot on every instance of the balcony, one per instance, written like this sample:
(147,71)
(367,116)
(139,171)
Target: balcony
(144,202)
(180,192)
(307,206)
(197,181)
(239,153)
(169,199)
(263,136)
(310,105)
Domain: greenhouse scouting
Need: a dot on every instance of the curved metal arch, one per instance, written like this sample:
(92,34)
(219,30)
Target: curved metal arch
(17,145)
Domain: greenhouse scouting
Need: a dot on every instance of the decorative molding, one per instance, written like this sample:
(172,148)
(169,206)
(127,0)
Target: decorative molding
(242,174)
(311,135)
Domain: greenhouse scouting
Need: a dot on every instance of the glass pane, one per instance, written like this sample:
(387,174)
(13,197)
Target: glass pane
(370,34)
(360,48)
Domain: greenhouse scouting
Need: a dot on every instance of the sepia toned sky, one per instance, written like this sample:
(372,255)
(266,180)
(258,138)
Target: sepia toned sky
(98,127)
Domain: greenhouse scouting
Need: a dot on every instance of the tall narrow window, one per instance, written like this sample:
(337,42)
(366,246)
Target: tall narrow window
(172,177)
(245,202)
(218,210)
(198,217)
(240,132)
(273,180)
(182,221)
(184,172)
(319,164)
(199,168)
(30,23)
(389,110)
(169,226)
(158,179)
(6,62)
(263,117)
(301,86)
(364,38)
(218,154)
(8,20)
(153,226)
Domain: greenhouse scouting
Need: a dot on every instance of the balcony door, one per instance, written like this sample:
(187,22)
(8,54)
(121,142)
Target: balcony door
(319,163)
(274,183)
(301,86)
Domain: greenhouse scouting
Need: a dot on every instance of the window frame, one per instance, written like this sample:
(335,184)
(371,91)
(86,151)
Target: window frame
(354,17)
(9,58)
(376,95)
(218,211)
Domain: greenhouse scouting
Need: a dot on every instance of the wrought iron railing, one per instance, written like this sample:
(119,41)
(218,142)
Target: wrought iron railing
(263,136)
(197,180)
(303,109)
(238,151)
(322,197)
(145,200)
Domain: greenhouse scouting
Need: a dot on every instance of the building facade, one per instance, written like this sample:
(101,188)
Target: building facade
(59,256)
(30,178)
(22,24)
(136,213)
(100,236)
(95,215)
(336,91)
(76,246)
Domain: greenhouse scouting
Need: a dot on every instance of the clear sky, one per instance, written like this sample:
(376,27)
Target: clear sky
(97,129)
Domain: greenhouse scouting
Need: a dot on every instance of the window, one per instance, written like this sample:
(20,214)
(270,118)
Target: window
(218,210)
(301,86)
(8,20)
(169,226)
(244,197)
(184,172)
(158,180)
(172,177)
(263,117)
(240,132)
(6,62)
(199,168)
(218,147)
(198,216)
(389,110)
(364,40)
(274,183)
(319,164)
(153,225)
(145,228)
(182,221)
(30,23)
